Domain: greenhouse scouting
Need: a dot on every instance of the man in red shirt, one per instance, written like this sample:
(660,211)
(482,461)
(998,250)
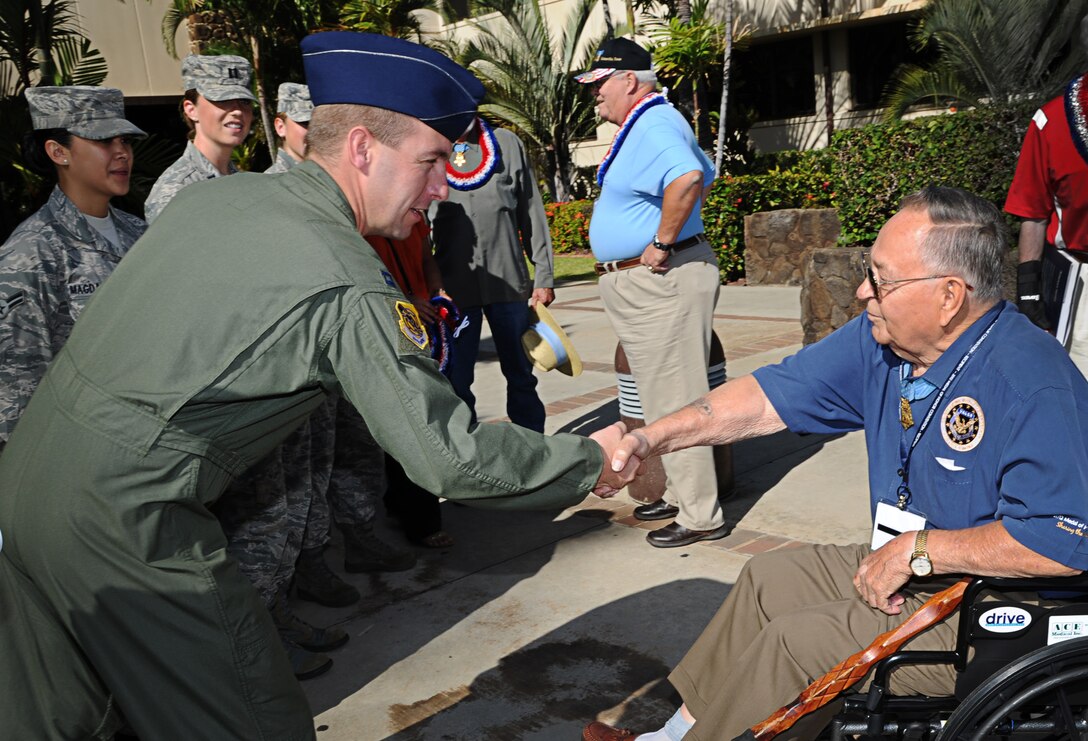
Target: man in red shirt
(1050,193)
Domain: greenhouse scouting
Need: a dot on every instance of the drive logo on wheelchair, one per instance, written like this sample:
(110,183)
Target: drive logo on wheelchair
(1004,619)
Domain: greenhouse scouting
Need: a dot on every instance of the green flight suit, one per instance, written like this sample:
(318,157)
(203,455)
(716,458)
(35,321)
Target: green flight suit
(222,329)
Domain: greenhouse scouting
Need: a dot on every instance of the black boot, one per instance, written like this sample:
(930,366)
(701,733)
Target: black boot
(294,629)
(316,582)
(365,552)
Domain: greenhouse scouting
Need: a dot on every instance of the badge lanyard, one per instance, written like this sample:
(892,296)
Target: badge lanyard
(903,492)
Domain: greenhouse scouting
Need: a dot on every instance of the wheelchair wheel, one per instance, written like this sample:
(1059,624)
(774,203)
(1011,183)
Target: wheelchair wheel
(1042,695)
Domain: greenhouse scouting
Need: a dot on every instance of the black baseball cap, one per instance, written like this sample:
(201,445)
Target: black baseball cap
(613,55)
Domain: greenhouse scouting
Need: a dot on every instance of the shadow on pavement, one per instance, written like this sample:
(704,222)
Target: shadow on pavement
(595,419)
(611,663)
(761,463)
(509,546)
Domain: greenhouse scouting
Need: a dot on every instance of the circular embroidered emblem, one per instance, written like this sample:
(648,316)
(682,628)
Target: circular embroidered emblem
(964,423)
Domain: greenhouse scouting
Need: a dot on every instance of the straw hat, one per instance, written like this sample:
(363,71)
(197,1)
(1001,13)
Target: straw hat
(548,346)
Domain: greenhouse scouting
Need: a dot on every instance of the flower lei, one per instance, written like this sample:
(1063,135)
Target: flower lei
(490,159)
(443,331)
(1076,103)
(641,106)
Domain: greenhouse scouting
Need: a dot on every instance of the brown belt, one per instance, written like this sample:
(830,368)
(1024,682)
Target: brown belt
(614,266)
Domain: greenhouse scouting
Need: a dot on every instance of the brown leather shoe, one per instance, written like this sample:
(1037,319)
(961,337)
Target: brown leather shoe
(602,732)
(675,535)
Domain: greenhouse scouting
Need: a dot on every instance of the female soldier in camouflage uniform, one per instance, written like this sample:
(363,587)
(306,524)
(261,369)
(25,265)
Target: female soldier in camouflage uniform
(55,260)
(218,109)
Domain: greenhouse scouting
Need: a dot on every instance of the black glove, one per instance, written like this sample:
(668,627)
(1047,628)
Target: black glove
(1029,293)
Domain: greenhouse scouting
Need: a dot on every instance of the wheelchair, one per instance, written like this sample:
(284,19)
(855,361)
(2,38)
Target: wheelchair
(1010,683)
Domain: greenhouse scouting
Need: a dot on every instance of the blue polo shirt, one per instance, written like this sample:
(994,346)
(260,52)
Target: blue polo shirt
(659,148)
(1009,440)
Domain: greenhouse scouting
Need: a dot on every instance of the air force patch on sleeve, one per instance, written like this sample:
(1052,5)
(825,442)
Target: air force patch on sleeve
(8,303)
(411,326)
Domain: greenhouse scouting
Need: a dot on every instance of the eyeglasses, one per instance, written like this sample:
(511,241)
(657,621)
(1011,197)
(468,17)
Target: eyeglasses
(876,283)
(597,85)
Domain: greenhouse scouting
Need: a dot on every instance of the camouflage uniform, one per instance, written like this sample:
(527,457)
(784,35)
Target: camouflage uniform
(277,508)
(191,167)
(54,261)
(283,163)
(293,101)
(358,476)
(50,267)
(217,78)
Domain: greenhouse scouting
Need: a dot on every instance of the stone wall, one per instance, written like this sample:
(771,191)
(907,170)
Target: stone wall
(831,278)
(776,243)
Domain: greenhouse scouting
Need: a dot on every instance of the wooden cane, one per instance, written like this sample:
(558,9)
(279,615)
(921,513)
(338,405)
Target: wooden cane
(852,669)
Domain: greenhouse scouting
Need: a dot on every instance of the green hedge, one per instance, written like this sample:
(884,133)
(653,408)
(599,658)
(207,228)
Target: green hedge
(733,197)
(569,224)
(873,167)
(864,173)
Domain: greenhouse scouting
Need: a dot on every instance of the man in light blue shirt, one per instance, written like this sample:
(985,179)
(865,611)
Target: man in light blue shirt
(659,276)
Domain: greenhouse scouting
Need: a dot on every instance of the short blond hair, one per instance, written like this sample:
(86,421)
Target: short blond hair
(330,123)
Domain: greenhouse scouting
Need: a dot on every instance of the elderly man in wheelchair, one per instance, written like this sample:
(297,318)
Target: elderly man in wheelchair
(976,426)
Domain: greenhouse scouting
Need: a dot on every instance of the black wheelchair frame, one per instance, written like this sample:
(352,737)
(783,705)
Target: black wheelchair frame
(1008,684)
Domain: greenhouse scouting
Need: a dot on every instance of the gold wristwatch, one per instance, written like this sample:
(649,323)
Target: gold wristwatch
(920,564)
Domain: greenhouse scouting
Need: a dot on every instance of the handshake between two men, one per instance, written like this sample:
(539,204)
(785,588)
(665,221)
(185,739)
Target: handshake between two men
(735,411)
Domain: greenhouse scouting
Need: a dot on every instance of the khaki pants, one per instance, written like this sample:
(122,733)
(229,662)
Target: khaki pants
(791,616)
(664,322)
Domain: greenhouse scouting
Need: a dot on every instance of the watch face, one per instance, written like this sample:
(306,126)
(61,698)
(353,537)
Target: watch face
(921,566)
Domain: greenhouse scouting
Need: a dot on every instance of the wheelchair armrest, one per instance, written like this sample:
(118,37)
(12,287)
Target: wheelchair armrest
(1077,582)
(893,662)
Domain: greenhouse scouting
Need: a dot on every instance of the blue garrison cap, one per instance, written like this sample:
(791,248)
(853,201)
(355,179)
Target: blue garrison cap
(390,73)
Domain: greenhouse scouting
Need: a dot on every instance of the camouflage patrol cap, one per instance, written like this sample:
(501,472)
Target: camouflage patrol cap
(217,78)
(293,100)
(88,112)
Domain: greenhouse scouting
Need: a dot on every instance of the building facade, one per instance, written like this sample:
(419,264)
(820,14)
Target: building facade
(810,66)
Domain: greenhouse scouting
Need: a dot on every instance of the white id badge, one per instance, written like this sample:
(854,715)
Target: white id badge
(891,521)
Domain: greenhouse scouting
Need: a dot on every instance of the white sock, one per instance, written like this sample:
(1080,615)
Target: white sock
(674,730)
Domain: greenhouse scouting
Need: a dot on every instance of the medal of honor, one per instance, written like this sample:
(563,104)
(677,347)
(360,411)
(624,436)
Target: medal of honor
(905,417)
(490,157)
(459,150)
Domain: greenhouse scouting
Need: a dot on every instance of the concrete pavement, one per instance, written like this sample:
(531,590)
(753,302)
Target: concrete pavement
(533,624)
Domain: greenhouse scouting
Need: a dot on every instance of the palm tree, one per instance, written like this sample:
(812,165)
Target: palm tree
(686,53)
(727,65)
(528,71)
(387,17)
(41,43)
(992,51)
